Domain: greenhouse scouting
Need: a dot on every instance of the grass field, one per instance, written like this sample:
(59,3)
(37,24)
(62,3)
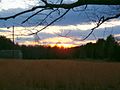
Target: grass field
(58,75)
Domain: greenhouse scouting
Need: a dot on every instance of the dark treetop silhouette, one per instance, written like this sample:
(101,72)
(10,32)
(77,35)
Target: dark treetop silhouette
(109,50)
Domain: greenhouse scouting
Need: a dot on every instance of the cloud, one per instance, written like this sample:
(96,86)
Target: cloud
(76,16)
(75,31)
(13,4)
(76,24)
(59,41)
(4,31)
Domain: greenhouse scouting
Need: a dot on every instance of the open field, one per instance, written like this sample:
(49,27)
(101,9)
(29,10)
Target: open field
(58,75)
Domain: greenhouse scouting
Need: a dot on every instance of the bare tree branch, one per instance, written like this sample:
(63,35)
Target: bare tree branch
(18,14)
(51,22)
(32,16)
(65,6)
(46,17)
(45,1)
(100,22)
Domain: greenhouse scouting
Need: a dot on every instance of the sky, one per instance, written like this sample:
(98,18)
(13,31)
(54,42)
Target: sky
(76,25)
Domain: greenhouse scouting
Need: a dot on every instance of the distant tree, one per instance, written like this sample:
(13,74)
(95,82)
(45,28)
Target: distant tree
(107,49)
(100,49)
(110,47)
(5,43)
(89,50)
(110,40)
(116,54)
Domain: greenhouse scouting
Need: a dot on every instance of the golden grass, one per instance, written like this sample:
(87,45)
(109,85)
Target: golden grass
(57,74)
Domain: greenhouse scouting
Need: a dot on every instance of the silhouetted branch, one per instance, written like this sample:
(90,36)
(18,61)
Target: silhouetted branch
(23,12)
(51,22)
(32,16)
(65,6)
(101,21)
(47,15)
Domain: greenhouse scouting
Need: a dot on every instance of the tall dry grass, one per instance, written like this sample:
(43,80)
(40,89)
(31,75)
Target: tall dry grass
(58,75)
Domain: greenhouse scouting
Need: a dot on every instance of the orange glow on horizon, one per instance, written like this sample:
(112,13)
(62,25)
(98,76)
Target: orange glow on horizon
(62,45)
(51,45)
(60,42)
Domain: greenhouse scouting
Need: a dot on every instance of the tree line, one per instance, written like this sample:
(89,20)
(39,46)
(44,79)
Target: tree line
(103,49)
(108,49)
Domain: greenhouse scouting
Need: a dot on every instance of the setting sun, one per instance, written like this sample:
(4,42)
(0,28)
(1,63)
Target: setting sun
(59,42)
(62,45)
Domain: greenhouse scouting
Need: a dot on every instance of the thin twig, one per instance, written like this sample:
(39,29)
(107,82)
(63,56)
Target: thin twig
(32,16)
(51,22)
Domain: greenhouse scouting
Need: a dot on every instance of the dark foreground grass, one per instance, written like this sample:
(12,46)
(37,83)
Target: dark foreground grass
(58,75)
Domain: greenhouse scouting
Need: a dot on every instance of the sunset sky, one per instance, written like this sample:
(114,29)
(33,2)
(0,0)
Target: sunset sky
(76,25)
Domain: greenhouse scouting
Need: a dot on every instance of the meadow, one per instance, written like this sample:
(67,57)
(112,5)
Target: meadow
(59,75)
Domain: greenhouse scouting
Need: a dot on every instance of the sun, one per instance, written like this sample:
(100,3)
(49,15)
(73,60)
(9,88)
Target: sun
(65,45)
(61,42)
(62,45)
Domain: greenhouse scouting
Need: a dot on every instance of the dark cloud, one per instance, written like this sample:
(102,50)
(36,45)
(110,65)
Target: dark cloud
(98,33)
(76,16)
(92,13)
(46,35)
(5,31)
(75,34)
(33,38)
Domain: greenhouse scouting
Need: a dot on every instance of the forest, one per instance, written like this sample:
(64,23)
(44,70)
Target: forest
(104,49)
